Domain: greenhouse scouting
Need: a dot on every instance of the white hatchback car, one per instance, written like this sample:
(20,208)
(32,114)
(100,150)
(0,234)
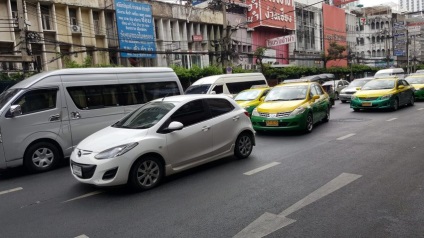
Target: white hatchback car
(163,137)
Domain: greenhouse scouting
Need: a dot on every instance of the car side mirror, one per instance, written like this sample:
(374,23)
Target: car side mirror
(213,92)
(15,110)
(262,98)
(316,97)
(401,86)
(174,126)
(358,88)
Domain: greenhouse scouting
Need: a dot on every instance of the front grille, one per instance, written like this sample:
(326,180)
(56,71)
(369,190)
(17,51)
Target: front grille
(110,174)
(369,98)
(86,169)
(277,115)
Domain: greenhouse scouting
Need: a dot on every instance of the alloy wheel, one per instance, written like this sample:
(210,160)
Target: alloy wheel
(309,123)
(148,173)
(245,145)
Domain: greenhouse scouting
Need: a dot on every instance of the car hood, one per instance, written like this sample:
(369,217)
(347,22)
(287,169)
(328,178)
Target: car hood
(418,86)
(351,89)
(110,137)
(374,93)
(280,106)
(246,103)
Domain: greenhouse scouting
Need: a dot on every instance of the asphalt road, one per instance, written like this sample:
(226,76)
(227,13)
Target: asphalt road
(360,175)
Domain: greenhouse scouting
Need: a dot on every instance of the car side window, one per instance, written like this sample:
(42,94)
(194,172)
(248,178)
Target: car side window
(37,100)
(218,89)
(191,113)
(405,82)
(313,91)
(318,89)
(219,106)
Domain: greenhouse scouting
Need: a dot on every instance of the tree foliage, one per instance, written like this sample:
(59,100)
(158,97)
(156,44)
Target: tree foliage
(334,52)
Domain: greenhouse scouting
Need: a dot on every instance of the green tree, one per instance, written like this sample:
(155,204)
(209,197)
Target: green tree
(334,52)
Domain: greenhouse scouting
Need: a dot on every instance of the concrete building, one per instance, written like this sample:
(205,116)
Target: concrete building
(412,5)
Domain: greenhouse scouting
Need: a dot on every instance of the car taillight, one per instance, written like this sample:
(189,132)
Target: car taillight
(246,113)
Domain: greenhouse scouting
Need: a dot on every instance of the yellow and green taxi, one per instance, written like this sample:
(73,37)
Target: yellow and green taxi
(383,93)
(292,106)
(249,99)
(417,81)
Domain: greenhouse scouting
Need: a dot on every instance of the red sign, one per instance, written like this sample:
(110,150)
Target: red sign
(342,2)
(334,31)
(197,38)
(272,13)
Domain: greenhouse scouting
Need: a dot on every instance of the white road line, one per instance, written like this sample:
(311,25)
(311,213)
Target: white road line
(82,236)
(84,196)
(392,119)
(346,136)
(261,168)
(420,109)
(11,190)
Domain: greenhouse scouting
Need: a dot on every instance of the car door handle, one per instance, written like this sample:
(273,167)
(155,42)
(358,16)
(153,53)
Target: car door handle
(206,128)
(75,115)
(236,118)
(54,118)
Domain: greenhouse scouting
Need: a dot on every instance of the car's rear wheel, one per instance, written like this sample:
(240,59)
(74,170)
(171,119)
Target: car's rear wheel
(146,173)
(412,100)
(244,145)
(327,115)
(309,123)
(41,157)
(395,105)
(343,101)
(337,96)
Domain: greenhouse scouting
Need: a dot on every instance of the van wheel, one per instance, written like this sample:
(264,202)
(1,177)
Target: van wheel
(41,157)
(146,173)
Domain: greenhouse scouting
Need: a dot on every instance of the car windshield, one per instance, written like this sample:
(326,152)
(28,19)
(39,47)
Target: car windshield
(379,84)
(248,95)
(7,95)
(415,80)
(358,83)
(198,89)
(146,116)
(287,93)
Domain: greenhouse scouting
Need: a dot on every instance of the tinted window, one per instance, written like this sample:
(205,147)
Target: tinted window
(218,89)
(191,113)
(219,106)
(198,89)
(319,90)
(37,100)
(235,88)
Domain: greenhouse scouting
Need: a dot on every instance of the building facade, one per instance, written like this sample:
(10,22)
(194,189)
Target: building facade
(412,5)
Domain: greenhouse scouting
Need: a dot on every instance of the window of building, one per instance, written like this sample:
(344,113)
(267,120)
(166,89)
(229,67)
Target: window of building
(73,17)
(96,23)
(45,18)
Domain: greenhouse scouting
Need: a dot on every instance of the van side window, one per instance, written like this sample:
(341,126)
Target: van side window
(237,87)
(155,90)
(218,89)
(92,97)
(37,100)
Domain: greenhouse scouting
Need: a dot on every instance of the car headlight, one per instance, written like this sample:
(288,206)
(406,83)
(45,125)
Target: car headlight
(255,112)
(353,97)
(115,151)
(298,111)
(388,96)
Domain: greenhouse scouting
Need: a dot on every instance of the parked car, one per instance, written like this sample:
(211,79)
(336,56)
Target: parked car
(45,116)
(249,99)
(163,137)
(346,93)
(292,106)
(420,71)
(383,93)
(336,86)
(417,81)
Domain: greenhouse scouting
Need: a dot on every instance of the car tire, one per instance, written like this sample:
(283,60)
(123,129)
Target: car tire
(41,157)
(356,109)
(336,97)
(343,101)
(412,101)
(395,105)
(327,115)
(244,146)
(309,123)
(146,173)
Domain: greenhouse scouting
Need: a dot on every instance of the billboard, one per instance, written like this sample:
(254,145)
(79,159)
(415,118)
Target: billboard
(272,13)
(135,29)
(282,40)
(334,31)
(342,2)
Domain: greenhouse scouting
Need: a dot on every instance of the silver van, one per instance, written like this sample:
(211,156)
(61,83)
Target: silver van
(44,117)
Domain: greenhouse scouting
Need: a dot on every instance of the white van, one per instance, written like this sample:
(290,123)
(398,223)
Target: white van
(230,84)
(44,117)
(399,72)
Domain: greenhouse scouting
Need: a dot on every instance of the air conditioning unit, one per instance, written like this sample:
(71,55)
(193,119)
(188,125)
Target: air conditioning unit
(75,28)
(250,29)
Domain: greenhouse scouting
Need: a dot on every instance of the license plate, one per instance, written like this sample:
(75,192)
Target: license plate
(367,104)
(271,123)
(77,170)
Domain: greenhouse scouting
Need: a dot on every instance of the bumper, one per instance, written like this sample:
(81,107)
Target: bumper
(360,104)
(107,172)
(284,124)
(419,94)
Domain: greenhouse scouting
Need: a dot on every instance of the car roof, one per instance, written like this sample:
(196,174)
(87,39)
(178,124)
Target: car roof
(295,83)
(190,97)
(212,79)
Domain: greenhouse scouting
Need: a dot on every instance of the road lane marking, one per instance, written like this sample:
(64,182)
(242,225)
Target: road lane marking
(11,190)
(346,136)
(392,119)
(84,196)
(82,236)
(251,172)
(269,223)
(419,109)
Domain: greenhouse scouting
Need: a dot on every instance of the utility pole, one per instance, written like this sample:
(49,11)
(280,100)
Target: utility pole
(407,51)
(415,57)
(22,35)
(224,35)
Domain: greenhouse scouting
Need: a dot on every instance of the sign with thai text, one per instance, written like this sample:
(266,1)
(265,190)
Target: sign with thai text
(197,38)
(272,13)
(135,29)
(334,20)
(283,40)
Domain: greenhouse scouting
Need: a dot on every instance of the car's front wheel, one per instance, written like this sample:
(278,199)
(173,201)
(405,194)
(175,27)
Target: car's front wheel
(395,105)
(327,115)
(146,173)
(412,101)
(309,123)
(244,145)
(41,157)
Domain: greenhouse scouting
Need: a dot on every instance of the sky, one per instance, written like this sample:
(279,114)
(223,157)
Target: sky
(368,3)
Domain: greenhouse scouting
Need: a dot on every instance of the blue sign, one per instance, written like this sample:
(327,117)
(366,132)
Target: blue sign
(135,29)
(399,53)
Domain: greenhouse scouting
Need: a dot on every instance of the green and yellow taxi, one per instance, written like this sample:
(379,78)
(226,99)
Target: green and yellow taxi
(383,93)
(249,99)
(417,81)
(292,106)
